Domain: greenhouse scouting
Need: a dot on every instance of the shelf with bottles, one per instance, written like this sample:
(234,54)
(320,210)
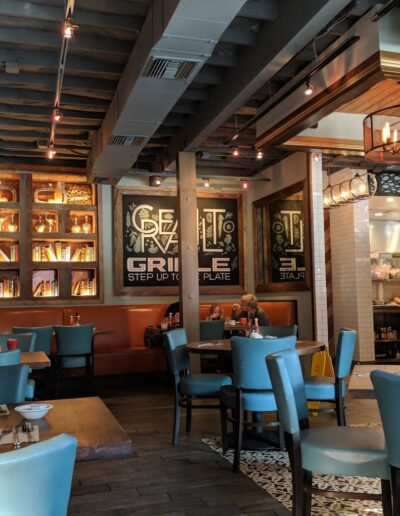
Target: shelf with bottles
(9,251)
(9,191)
(81,222)
(9,284)
(44,221)
(83,283)
(44,283)
(63,251)
(61,193)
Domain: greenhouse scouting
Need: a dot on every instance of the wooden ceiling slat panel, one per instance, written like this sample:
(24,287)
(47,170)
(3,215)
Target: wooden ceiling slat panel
(385,93)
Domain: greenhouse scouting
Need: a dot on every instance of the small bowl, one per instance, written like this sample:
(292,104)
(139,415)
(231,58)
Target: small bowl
(34,410)
(232,322)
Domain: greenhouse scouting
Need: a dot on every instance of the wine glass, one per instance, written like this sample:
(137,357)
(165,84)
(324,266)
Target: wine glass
(50,222)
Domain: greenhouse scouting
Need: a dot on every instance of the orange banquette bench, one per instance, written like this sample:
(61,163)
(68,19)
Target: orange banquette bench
(123,350)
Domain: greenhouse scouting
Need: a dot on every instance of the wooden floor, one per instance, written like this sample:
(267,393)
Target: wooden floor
(189,479)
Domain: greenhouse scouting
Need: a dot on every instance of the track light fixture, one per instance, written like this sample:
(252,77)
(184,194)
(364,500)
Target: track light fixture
(206,183)
(155,181)
(235,152)
(309,88)
(69,29)
(51,152)
(259,154)
(57,115)
(245,184)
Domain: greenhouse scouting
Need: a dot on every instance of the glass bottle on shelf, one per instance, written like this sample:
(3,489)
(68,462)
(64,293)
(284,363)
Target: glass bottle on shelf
(12,227)
(86,226)
(76,228)
(50,223)
(40,227)
(60,195)
(2,220)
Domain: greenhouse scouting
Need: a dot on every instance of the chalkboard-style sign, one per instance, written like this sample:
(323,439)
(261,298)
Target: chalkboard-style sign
(281,232)
(146,243)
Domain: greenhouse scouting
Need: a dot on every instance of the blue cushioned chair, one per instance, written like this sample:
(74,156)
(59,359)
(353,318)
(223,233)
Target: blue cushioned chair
(74,350)
(13,357)
(387,391)
(334,389)
(26,341)
(189,386)
(44,335)
(336,450)
(279,331)
(251,390)
(36,480)
(212,329)
(13,382)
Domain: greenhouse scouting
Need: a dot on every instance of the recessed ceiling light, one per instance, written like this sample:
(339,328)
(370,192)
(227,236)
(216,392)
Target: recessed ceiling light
(378,214)
(390,199)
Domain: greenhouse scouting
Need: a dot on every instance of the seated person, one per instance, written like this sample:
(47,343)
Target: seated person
(173,309)
(248,310)
(215,312)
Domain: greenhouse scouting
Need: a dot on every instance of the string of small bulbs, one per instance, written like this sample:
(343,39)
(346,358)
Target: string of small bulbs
(68,29)
(235,152)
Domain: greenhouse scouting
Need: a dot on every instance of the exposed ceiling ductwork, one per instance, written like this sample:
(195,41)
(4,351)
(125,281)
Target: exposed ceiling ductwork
(159,70)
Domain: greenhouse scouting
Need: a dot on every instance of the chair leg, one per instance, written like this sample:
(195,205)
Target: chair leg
(177,417)
(307,481)
(386,498)
(281,435)
(188,414)
(340,415)
(298,501)
(238,431)
(224,427)
(395,474)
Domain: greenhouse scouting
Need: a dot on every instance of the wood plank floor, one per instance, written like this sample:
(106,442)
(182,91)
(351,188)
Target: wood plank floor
(189,479)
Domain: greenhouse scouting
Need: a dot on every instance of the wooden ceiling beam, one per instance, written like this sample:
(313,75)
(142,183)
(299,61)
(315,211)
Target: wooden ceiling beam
(89,116)
(41,61)
(10,124)
(33,137)
(120,7)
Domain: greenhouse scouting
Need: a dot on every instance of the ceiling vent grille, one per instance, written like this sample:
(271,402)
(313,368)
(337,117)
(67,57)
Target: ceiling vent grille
(127,140)
(160,68)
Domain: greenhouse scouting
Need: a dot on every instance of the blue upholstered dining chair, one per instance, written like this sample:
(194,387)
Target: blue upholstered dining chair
(279,331)
(212,329)
(44,335)
(189,386)
(13,382)
(335,450)
(251,390)
(13,358)
(334,389)
(26,341)
(74,350)
(36,480)
(387,391)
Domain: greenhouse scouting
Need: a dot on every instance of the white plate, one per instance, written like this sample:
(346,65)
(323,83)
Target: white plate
(34,410)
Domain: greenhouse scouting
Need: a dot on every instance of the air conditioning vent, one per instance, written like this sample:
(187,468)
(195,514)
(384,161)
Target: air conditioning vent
(160,68)
(126,140)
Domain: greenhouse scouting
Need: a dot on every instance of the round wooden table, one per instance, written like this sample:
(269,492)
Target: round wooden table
(303,347)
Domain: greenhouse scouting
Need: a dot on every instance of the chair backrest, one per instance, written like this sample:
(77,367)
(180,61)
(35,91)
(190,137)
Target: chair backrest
(248,357)
(344,352)
(44,335)
(13,381)
(288,386)
(212,329)
(36,480)
(279,331)
(12,357)
(177,354)
(26,341)
(387,391)
(74,340)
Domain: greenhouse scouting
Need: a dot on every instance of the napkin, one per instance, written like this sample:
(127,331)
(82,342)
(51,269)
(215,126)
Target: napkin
(4,410)
(22,436)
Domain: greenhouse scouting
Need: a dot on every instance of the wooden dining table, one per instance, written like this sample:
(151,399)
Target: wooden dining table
(35,359)
(99,434)
(303,347)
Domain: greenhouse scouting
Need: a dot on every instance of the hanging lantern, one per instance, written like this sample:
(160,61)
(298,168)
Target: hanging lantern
(351,190)
(381,136)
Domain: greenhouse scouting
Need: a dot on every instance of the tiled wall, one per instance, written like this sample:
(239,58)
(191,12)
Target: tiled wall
(352,289)
(318,248)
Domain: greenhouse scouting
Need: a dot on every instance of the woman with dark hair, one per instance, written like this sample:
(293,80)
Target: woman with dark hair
(215,312)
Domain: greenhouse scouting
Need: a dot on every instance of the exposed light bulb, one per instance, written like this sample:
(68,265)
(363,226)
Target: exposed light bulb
(316,158)
(235,152)
(51,152)
(245,184)
(309,88)
(69,29)
(260,155)
(390,199)
(57,115)
(206,183)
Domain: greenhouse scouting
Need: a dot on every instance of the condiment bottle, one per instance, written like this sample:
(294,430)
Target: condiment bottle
(170,319)
(77,319)
(256,326)
(71,320)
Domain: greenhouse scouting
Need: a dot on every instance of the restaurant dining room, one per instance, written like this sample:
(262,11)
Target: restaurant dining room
(199,257)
